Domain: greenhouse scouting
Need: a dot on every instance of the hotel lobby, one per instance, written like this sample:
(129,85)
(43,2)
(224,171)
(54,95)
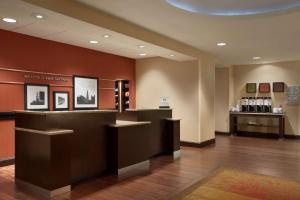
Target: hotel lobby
(149,100)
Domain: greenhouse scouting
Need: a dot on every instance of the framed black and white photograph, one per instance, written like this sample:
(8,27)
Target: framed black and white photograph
(36,97)
(85,93)
(60,100)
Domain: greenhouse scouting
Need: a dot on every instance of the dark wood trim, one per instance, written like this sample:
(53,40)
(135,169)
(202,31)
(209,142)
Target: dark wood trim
(198,145)
(257,134)
(6,162)
(222,133)
(292,137)
(7,115)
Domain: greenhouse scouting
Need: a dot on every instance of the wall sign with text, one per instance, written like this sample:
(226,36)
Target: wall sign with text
(292,95)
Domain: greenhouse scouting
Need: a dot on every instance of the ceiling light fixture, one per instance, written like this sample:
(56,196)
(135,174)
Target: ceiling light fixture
(256,58)
(94,42)
(142,54)
(9,20)
(221,44)
(106,36)
(172,55)
(141,46)
(38,15)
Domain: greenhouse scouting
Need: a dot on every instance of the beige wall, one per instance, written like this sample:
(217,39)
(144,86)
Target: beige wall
(206,99)
(187,88)
(159,77)
(288,72)
(222,100)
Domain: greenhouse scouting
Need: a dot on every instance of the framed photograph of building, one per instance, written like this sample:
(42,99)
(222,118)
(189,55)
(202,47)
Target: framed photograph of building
(60,100)
(36,97)
(85,93)
(264,88)
(251,87)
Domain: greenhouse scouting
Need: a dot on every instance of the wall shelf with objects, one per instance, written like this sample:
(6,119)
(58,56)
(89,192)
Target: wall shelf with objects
(122,95)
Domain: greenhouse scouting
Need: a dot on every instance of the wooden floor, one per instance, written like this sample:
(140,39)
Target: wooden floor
(279,158)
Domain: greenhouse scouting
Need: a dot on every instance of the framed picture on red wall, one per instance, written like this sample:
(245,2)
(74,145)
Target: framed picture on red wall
(36,97)
(60,100)
(85,92)
(264,88)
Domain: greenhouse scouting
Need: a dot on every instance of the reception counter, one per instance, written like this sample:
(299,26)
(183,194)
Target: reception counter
(56,149)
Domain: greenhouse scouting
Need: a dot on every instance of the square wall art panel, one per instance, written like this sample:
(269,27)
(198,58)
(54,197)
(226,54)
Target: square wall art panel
(251,87)
(264,88)
(278,87)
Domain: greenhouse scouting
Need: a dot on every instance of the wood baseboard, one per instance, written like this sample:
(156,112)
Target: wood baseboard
(222,133)
(198,145)
(257,135)
(6,162)
(292,137)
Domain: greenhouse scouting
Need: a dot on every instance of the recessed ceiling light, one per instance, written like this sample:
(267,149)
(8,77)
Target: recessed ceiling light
(141,46)
(9,20)
(38,15)
(172,55)
(256,58)
(142,54)
(94,42)
(106,36)
(221,44)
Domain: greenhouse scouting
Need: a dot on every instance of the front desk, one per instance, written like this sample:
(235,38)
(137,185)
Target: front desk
(56,149)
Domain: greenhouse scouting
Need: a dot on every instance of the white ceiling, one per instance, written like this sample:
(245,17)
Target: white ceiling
(65,29)
(274,37)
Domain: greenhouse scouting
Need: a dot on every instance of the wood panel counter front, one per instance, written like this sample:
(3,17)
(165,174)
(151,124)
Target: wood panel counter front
(157,117)
(88,143)
(98,143)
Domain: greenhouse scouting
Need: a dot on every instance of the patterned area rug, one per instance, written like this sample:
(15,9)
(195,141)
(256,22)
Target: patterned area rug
(237,185)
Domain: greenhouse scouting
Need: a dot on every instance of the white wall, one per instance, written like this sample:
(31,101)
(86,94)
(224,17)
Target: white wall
(222,100)
(206,89)
(190,88)
(159,77)
(288,72)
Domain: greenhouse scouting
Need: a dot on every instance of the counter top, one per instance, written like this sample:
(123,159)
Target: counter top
(248,113)
(46,132)
(122,123)
(63,112)
(172,119)
(148,109)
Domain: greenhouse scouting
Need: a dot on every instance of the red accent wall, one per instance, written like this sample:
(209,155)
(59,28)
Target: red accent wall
(24,52)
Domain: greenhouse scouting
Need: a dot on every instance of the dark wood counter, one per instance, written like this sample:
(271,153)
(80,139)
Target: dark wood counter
(48,156)
(43,159)
(129,143)
(157,117)
(88,143)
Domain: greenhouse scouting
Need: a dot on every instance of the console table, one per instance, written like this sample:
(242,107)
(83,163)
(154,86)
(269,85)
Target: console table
(235,115)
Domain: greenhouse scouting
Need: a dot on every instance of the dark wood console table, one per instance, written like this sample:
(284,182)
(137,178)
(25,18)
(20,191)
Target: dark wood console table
(235,115)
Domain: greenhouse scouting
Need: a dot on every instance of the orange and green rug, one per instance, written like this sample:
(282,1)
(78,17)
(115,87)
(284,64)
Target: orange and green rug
(237,185)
